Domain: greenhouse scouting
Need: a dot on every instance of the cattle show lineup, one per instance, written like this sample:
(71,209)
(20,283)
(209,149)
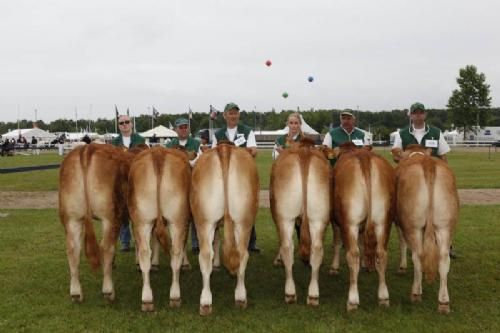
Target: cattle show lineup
(346,186)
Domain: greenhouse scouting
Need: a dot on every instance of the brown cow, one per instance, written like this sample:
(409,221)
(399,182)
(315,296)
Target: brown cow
(224,186)
(427,212)
(93,184)
(363,185)
(300,188)
(158,195)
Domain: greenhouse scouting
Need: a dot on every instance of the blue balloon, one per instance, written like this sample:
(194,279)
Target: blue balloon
(310,79)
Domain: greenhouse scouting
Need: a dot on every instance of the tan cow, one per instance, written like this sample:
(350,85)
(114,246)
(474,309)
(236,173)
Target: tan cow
(427,212)
(224,189)
(93,184)
(158,196)
(363,185)
(300,188)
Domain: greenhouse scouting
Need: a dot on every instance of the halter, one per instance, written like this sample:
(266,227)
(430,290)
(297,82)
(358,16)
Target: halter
(416,153)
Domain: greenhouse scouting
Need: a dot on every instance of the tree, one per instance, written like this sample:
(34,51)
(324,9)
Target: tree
(469,105)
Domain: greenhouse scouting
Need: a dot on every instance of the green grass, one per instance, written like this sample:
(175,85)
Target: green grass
(472,170)
(34,282)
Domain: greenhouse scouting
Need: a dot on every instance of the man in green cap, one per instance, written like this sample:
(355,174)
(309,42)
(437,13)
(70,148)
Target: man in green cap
(346,132)
(242,136)
(127,139)
(420,133)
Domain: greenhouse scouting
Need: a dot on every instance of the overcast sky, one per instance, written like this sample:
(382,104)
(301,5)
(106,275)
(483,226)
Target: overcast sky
(373,55)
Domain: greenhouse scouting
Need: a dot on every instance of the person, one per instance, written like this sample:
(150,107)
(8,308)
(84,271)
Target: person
(193,149)
(34,146)
(242,136)
(60,143)
(420,133)
(126,139)
(205,140)
(346,132)
(294,123)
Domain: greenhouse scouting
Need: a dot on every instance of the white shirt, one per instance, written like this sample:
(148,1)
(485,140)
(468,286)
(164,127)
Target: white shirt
(231,133)
(418,133)
(126,141)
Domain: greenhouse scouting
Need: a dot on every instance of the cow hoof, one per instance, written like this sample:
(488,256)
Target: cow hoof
(444,308)
(186,267)
(205,310)
(155,268)
(216,268)
(241,304)
(416,298)
(351,307)
(147,307)
(402,270)
(76,298)
(290,299)
(109,297)
(312,301)
(175,303)
(384,302)
(333,271)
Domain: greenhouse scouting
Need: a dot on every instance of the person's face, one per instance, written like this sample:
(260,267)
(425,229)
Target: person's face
(293,125)
(347,122)
(183,132)
(232,118)
(418,118)
(125,125)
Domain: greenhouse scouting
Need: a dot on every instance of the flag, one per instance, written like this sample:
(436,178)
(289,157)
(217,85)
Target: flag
(128,112)
(190,114)
(116,111)
(213,112)
(156,113)
(170,125)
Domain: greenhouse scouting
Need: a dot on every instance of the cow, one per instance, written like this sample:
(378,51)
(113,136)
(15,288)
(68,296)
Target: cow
(224,191)
(427,213)
(363,190)
(93,184)
(158,200)
(300,188)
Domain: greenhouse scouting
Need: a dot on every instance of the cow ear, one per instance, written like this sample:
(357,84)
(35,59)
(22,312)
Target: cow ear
(396,153)
(428,151)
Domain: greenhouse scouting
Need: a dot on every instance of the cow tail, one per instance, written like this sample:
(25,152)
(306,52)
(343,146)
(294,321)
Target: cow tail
(430,253)
(305,234)
(92,251)
(161,231)
(230,255)
(370,240)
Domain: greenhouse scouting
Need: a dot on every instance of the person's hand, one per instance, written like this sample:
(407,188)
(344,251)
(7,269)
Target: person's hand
(252,151)
(279,149)
(191,155)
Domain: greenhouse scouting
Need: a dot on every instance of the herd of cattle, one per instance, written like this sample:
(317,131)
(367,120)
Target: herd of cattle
(361,197)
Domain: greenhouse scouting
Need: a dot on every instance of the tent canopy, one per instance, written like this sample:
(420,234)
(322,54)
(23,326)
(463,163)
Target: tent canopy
(29,132)
(160,131)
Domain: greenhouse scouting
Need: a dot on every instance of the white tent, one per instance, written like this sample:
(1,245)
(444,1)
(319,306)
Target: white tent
(28,133)
(160,131)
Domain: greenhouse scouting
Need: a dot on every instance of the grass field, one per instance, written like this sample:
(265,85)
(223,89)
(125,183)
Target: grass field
(472,169)
(34,282)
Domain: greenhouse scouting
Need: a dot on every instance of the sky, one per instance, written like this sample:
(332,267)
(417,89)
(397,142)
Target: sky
(63,58)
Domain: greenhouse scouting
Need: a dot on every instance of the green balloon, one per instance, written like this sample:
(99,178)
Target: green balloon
(285,94)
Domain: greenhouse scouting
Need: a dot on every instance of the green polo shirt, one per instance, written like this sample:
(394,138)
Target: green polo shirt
(282,140)
(135,140)
(191,144)
(431,133)
(340,136)
(221,134)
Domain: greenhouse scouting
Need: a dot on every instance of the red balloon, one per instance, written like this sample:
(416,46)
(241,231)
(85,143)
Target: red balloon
(268,63)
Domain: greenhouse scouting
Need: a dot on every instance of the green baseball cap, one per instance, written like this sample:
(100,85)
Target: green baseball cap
(347,113)
(417,106)
(231,106)
(181,121)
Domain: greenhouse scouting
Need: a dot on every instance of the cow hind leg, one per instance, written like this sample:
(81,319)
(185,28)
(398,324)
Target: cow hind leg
(74,229)
(443,240)
(205,238)
(353,260)
(108,253)
(337,244)
(416,249)
(216,245)
(242,238)
(381,266)
(143,239)
(178,233)
(403,264)
(316,231)
(286,251)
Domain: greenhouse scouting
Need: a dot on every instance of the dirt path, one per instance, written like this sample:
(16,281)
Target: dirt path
(16,200)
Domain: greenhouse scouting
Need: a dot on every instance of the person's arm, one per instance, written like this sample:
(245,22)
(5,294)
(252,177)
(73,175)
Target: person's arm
(276,151)
(397,148)
(252,144)
(443,148)
(214,141)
